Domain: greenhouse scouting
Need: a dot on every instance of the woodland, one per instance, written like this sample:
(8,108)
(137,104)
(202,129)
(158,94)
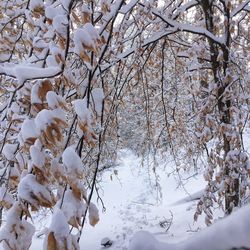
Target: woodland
(81,80)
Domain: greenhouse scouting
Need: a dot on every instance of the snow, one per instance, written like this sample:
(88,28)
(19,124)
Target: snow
(82,111)
(225,234)
(146,241)
(28,129)
(15,107)
(9,151)
(72,208)
(17,233)
(54,100)
(59,223)
(39,43)
(37,157)
(26,72)
(126,8)
(46,117)
(93,214)
(65,4)
(52,11)
(88,27)
(60,23)
(33,192)
(33,4)
(6,199)
(132,204)
(242,6)
(72,162)
(56,167)
(59,234)
(98,97)
(86,38)
(34,97)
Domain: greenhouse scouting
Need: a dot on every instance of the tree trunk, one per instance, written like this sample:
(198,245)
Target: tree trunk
(232,189)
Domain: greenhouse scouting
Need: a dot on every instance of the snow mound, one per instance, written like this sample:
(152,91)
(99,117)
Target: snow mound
(230,232)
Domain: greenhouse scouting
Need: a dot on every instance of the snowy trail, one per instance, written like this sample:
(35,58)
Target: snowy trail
(130,198)
(131,205)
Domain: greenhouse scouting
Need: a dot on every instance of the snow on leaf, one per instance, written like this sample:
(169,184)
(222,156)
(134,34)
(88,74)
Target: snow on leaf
(35,4)
(60,23)
(9,151)
(98,97)
(73,208)
(58,236)
(86,38)
(54,100)
(82,111)
(37,157)
(16,233)
(6,199)
(34,193)
(47,117)
(28,131)
(93,214)
(85,119)
(72,162)
(39,91)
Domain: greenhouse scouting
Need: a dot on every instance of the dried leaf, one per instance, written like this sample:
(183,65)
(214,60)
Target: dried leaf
(51,242)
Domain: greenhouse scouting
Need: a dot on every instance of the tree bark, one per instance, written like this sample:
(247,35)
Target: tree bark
(232,190)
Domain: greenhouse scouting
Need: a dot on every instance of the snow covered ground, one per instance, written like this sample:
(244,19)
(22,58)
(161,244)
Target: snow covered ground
(133,203)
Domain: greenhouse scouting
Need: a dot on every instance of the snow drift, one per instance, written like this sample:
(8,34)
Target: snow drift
(230,232)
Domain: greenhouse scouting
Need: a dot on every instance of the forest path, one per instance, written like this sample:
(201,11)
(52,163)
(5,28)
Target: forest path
(133,203)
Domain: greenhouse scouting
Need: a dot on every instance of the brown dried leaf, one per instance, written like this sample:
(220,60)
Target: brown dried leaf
(51,243)
(60,122)
(40,178)
(93,215)
(44,87)
(84,56)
